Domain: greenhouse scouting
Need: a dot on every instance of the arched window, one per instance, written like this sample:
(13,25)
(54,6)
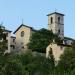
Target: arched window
(51,20)
(59,19)
(22,33)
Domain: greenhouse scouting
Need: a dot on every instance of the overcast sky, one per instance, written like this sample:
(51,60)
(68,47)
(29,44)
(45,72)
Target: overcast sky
(33,13)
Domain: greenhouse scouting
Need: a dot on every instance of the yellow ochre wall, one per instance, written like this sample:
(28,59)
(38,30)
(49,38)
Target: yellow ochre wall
(22,41)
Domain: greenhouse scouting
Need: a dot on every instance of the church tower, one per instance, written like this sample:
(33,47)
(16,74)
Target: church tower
(56,23)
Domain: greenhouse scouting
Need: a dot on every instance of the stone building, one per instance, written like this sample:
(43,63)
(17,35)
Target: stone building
(57,50)
(12,43)
(8,38)
(23,33)
(56,23)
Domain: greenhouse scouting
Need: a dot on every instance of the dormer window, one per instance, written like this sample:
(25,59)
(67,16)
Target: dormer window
(51,20)
(22,34)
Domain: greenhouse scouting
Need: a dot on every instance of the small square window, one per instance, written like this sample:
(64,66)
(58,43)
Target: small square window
(13,40)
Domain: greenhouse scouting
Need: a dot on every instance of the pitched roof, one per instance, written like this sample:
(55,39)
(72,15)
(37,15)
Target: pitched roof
(8,31)
(66,45)
(68,38)
(24,26)
(55,13)
(2,27)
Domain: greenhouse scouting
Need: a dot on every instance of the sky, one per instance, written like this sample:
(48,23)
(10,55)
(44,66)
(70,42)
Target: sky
(34,13)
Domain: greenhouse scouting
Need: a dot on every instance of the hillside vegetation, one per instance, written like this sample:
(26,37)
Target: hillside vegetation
(28,64)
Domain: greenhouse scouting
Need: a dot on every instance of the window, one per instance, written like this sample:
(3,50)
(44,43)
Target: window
(22,34)
(22,47)
(61,47)
(59,19)
(58,31)
(13,40)
(22,43)
(51,20)
(12,46)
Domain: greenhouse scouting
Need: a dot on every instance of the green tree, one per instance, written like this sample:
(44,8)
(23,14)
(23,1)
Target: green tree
(73,44)
(3,40)
(13,67)
(67,61)
(36,65)
(3,47)
(40,40)
(57,39)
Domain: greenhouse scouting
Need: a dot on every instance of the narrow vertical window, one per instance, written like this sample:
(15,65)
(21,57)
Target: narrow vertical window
(58,31)
(58,19)
(51,20)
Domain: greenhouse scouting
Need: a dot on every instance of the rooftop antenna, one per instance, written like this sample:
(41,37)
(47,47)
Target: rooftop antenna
(55,10)
(22,21)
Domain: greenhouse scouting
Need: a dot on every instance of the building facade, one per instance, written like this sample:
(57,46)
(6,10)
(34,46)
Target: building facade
(7,37)
(56,23)
(24,32)
(13,43)
(8,40)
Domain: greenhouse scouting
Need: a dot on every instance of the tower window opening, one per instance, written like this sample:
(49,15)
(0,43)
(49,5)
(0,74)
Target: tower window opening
(51,20)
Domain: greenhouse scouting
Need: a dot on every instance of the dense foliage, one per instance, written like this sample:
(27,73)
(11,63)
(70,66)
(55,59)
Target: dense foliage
(66,66)
(3,41)
(28,64)
(3,47)
(41,39)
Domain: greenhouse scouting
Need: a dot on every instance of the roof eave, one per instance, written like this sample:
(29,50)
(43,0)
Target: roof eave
(8,31)
(20,27)
(55,13)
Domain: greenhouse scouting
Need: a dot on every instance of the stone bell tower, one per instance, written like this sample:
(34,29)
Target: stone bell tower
(56,23)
